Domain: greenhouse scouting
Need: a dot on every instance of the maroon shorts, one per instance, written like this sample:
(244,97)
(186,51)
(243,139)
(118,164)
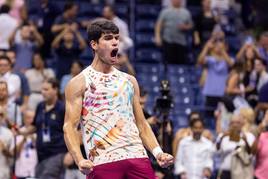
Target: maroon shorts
(139,168)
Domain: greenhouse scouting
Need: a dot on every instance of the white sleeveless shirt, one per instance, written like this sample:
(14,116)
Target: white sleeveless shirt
(108,123)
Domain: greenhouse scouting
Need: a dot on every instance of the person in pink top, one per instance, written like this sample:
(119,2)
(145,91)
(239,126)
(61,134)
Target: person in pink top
(105,101)
(261,170)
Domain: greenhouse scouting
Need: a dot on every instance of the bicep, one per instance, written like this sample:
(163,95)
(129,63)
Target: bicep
(74,98)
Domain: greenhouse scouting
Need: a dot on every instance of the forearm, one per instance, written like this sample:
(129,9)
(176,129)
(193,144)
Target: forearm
(202,56)
(82,43)
(72,141)
(57,28)
(148,138)
(39,38)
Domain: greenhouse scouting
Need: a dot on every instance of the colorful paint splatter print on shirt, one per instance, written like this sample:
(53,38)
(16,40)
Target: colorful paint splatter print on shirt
(108,123)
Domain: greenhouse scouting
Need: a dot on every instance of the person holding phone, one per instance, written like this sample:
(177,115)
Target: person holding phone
(228,142)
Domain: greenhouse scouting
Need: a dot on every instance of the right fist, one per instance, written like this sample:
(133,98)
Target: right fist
(85,166)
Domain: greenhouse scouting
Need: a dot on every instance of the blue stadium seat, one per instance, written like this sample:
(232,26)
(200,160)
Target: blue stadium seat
(148,55)
(148,11)
(145,40)
(145,25)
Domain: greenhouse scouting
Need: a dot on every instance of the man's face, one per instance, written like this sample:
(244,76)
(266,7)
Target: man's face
(107,48)
(73,11)
(197,130)
(4,66)
(75,69)
(25,32)
(264,42)
(176,3)
(3,91)
(48,92)
(107,13)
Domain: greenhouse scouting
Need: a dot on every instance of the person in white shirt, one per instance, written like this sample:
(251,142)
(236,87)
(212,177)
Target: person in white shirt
(194,154)
(125,41)
(7,26)
(228,142)
(13,80)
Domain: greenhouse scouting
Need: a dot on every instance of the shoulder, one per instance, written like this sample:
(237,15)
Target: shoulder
(206,141)
(185,140)
(76,86)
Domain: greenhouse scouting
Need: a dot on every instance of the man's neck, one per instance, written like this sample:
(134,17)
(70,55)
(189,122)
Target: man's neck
(50,104)
(99,66)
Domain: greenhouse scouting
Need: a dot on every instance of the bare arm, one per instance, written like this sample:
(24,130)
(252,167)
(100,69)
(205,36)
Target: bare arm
(231,87)
(58,27)
(56,41)
(202,56)
(157,32)
(37,36)
(82,43)
(74,96)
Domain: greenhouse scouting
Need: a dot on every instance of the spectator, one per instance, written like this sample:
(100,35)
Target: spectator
(25,90)
(194,156)
(204,23)
(263,46)
(7,26)
(247,54)
(68,46)
(26,150)
(47,13)
(15,7)
(26,39)
(36,76)
(67,19)
(227,144)
(13,80)
(261,150)
(10,112)
(76,68)
(48,124)
(248,115)
(170,32)
(6,146)
(214,55)
(185,132)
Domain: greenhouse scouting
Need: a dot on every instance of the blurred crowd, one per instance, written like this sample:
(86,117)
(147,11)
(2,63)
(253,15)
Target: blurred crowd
(234,84)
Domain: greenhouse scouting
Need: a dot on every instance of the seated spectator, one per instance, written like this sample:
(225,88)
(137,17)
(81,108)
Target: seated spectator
(215,58)
(228,142)
(68,46)
(13,80)
(185,132)
(25,40)
(76,68)
(67,19)
(26,149)
(194,157)
(7,26)
(36,76)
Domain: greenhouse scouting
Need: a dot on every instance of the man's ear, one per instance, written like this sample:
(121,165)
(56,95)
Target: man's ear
(93,45)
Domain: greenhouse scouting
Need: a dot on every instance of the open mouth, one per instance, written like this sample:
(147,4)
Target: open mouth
(114,52)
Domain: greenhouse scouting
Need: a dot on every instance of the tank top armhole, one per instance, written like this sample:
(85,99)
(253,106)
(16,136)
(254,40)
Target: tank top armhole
(85,73)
